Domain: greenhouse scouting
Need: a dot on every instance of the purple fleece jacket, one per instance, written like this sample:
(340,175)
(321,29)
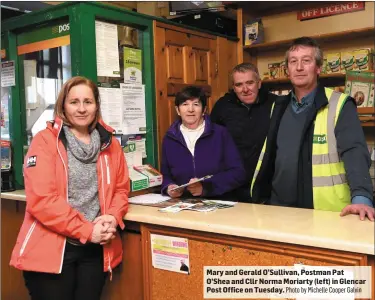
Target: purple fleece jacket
(215,154)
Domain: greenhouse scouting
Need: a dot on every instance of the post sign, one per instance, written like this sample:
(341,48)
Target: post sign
(330,10)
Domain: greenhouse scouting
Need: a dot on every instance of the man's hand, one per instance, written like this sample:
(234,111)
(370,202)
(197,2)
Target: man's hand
(359,209)
(196,189)
(176,193)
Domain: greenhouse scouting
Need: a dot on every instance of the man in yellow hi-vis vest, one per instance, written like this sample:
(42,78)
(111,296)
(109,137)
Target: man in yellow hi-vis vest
(315,154)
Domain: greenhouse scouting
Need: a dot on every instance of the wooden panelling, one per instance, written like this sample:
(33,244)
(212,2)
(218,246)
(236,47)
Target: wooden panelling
(174,88)
(172,113)
(12,283)
(186,39)
(239,48)
(371,262)
(174,63)
(161,86)
(200,66)
(184,30)
(188,63)
(206,249)
(127,281)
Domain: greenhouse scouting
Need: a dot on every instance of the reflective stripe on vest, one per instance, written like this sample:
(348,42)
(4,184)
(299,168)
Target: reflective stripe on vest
(330,188)
(260,159)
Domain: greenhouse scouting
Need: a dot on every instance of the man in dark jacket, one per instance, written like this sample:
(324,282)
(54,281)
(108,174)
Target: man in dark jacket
(245,112)
(316,154)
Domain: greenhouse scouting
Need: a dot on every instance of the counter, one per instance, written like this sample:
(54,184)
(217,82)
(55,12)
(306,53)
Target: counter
(272,223)
(247,234)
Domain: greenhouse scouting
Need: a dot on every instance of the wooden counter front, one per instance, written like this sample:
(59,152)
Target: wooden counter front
(246,235)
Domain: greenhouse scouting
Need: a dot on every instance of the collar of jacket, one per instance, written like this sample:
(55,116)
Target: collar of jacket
(175,132)
(320,99)
(105,132)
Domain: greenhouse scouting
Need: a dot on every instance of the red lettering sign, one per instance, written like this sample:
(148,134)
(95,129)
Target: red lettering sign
(329,10)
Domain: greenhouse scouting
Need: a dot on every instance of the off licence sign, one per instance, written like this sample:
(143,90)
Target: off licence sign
(329,10)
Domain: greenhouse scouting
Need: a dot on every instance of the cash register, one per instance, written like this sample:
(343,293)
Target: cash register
(7,184)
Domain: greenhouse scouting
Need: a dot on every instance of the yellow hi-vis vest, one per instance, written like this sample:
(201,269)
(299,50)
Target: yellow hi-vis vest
(330,188)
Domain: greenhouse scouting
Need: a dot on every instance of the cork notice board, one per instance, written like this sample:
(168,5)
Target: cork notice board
(206,249)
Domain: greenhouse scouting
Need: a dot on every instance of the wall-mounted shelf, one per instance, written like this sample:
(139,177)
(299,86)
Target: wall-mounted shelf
(367,121)
(287,80)
(366,110)
(321,38)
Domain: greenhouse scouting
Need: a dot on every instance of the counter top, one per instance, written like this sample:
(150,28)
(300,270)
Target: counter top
(15,195)
(307,227)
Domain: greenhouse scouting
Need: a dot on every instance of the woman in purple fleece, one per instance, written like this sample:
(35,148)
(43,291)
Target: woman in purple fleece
(193,147)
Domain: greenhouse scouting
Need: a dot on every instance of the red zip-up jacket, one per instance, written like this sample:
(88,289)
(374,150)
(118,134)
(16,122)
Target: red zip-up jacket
(49,218)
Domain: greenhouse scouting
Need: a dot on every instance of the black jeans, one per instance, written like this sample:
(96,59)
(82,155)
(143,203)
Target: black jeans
(82,276)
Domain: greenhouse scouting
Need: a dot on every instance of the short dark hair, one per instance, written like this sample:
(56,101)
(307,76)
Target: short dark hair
(189,93)
(307,42)
(245,67)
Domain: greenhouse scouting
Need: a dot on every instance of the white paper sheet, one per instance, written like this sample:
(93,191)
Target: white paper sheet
(134,109)
(111,107)
(8,74)
(29,71)
(107,55)
(148,199)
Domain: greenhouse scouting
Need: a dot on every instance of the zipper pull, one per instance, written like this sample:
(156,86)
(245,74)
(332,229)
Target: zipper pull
(110,273)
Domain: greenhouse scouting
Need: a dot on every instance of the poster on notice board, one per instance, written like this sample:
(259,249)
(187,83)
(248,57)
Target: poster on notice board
(170,253)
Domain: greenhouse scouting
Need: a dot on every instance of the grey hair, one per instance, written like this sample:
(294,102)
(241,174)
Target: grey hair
(245,67)
(307,42)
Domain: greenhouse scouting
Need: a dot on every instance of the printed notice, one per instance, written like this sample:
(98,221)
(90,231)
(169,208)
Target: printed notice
(111,107)
(134,110)
(107,54)
(132,65)
(170,253)
(312,282)
(8,75)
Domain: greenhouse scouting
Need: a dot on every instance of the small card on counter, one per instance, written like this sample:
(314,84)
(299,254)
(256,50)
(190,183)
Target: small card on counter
(198,205)
(177,207)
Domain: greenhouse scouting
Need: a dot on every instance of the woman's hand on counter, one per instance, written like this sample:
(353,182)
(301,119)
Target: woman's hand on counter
(362,210)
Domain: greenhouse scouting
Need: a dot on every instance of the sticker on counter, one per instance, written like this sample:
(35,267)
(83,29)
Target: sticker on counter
(170,253)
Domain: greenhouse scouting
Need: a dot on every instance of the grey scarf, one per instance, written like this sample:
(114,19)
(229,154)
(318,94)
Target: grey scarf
(85,153)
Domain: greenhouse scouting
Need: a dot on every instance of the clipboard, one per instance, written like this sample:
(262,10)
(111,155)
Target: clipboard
(187,184)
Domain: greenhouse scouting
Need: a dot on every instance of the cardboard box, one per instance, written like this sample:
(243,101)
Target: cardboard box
(347,61)
(333,63)
(363,59)
(138,181)
(254,32)
(324,66)
(360,85)
(283,70)
(154,177)
(274,70)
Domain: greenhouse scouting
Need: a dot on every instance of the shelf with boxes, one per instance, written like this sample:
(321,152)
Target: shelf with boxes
(286,80)
(321,38)
(335,64)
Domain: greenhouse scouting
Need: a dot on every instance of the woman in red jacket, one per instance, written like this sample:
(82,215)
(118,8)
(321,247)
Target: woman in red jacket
(77,185)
